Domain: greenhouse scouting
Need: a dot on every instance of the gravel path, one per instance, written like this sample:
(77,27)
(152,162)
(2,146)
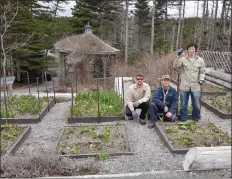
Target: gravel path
(150,154)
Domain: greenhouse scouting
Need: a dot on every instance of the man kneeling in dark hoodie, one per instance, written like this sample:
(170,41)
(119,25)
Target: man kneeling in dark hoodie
(164,100)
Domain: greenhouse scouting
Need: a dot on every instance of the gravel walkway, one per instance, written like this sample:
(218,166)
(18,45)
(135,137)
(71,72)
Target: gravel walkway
(150,154)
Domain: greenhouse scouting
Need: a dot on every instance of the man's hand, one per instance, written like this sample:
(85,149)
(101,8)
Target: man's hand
(134,114)
(169,114)
(136,104)
(180,51)
(201,82)
(165,109)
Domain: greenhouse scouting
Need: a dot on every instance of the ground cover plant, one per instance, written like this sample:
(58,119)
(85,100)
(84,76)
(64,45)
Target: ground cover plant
(86,104)
(94,139)
(222,103)
(9,134)
(193,134)
(22,106)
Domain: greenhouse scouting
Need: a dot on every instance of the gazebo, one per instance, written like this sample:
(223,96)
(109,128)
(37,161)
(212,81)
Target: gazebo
(84,52)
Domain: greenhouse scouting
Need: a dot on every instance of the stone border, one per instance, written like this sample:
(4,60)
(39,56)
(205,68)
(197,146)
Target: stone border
(96,154)
(165,140)
(93,119)
(30,120)
(18,142)
(216,111)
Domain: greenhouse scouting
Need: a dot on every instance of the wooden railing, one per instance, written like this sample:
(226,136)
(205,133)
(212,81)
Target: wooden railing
(217,60)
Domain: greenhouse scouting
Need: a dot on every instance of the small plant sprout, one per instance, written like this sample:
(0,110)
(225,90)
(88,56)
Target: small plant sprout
(62,146)
(106,132)
(103,156)
(75,150)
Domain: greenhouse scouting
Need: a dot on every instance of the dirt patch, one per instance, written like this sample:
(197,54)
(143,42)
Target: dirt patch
(193,134)
(222,103)
(94,139)
(9,134)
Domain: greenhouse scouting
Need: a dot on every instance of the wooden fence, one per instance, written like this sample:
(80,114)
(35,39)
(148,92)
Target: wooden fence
(218,60)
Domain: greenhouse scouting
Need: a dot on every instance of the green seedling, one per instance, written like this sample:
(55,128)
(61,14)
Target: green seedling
(84,129)
(93,134)
(106,132)
(103,156)
(62,146)
(201,131)
(75,150)
(171,129)
(72,129)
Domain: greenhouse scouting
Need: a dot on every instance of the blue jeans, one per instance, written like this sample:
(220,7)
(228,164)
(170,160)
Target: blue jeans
(155,111)
(195,97)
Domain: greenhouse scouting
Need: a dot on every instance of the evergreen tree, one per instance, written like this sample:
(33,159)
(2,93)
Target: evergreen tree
(142,16)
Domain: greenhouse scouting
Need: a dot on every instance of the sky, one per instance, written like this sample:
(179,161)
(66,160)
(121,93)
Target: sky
(190,9)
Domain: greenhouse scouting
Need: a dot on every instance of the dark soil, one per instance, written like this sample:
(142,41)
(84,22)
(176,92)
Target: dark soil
(9,134)
(222,103)
(94,139)
(194,134)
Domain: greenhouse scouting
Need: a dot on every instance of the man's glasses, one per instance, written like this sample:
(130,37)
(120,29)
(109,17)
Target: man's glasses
(139,79)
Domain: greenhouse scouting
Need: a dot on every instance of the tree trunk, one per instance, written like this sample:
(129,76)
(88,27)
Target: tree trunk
(173,37)
(195,37)
(202,25)
(215,19)
(166,17)
(182,27)
(211,29)
(179,27)
(207,158)
(126,40)
(152,30)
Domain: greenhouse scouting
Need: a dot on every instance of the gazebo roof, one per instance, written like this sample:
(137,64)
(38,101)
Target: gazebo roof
(84,44)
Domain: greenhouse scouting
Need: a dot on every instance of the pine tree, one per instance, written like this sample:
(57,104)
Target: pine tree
(142,14)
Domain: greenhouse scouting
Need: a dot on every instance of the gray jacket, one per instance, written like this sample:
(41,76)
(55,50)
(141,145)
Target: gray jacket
(190,73)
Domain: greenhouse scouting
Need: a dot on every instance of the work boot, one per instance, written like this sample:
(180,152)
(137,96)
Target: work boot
(151,125)
(142,121)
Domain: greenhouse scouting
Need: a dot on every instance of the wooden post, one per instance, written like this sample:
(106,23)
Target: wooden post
(207,158)
(47,89)
(54,90)
(5,97)
(104,71)
(38,87)
(28,82)
(76,80)
(72,100)
(122,91)
(98,105)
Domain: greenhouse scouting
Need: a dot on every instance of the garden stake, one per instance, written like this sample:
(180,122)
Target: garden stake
(38,87)
(98,110)
(72,100)
(76,81)
(54,91)
(28,82)
(47,89)
(122,92)
(5,99)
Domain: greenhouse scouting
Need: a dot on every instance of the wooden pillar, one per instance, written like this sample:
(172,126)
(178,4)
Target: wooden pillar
(62,69)
(104,60)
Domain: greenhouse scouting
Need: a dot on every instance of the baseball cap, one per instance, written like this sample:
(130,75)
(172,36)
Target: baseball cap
(165,77)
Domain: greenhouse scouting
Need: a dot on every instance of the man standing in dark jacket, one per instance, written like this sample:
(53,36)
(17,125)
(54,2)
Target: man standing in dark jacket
(164,100)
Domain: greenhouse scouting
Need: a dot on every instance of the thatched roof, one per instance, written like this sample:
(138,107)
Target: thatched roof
(81,45)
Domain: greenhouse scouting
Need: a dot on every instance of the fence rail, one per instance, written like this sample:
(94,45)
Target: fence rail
(217,60)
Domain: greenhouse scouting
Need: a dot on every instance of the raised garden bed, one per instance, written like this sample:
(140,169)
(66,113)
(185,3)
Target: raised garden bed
(90,107)
(12,137)
(97,140)
(179,137)
(26,109)
(219,105)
